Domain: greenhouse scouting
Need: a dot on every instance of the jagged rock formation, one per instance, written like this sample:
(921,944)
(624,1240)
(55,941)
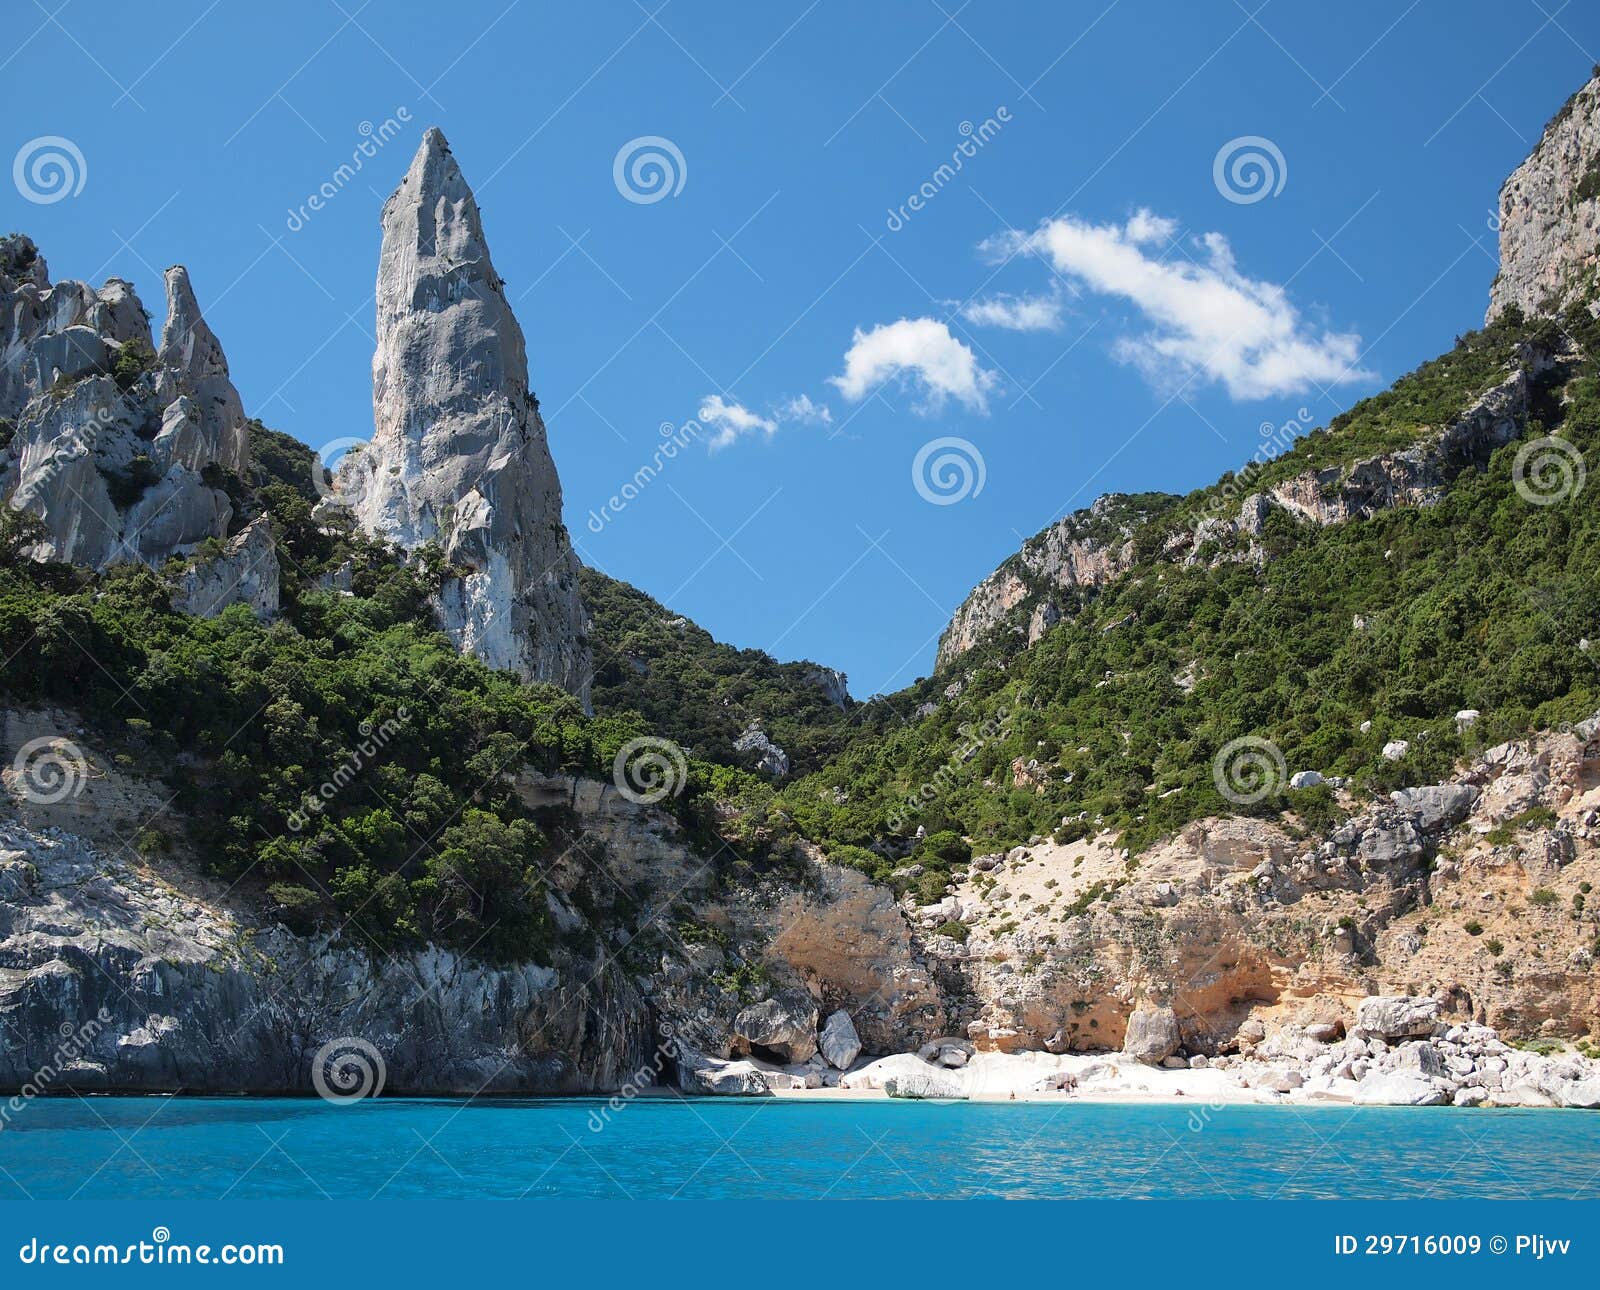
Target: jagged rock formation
(1550,214)
(1085,550)
(118,449)
(244,572)
(458,455)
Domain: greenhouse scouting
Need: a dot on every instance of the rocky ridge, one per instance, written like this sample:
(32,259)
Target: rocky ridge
(1091,548)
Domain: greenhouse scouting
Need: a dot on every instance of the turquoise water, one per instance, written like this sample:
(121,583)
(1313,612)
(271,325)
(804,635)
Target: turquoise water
(239,1148)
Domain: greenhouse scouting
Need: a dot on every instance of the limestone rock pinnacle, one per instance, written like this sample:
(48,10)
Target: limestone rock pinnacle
(459,455)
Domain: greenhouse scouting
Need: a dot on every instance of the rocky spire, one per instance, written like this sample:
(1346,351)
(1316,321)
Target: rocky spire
(1550,214)
(193,363)
(458,454)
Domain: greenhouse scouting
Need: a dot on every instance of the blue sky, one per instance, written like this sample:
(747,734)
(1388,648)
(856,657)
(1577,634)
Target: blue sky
(1091,301)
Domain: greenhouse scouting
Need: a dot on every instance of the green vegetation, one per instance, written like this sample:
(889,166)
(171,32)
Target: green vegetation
(344,761)
(698,692)
(133,360)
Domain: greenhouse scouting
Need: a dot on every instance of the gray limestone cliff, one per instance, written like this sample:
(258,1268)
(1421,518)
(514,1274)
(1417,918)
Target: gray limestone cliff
(119,449)
(459,455)
(1550,213)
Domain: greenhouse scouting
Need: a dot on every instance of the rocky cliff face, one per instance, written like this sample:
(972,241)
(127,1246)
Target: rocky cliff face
(118,449)
(1473,892)
(182,983)
(458,455)
(1084,551)
(1550,213)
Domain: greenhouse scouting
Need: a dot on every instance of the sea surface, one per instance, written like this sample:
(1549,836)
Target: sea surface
(131,1147)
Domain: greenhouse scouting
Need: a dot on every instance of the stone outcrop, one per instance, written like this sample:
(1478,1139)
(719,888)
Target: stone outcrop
(1463,901)
(1550,214)
(245,572)
(1152,1035)
(1084,551)
(760,753)
(459,456)
(117,449)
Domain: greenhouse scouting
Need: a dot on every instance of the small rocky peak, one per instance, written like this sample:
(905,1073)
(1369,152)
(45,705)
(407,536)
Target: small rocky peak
(21,262)
(193,364)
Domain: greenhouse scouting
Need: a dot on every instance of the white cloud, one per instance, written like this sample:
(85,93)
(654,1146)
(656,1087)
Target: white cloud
(800,410)
(920,351)
(731,421)
(1208,320)
(1015,313)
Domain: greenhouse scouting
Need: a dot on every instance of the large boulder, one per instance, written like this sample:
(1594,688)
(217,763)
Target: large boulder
(1399,1088)
(924,1084)
(1152,1035)
(1438,806)
(838,1040)
(784,1026)
(698,1073)
(1397,1017)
